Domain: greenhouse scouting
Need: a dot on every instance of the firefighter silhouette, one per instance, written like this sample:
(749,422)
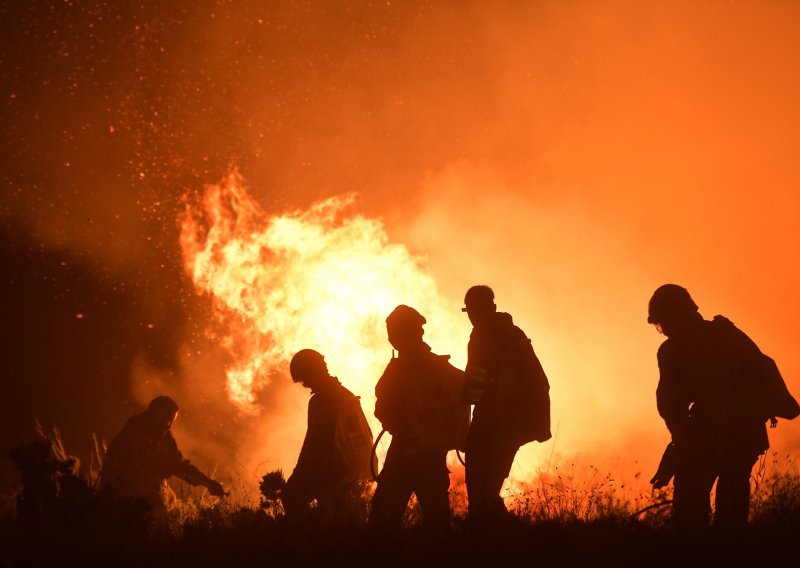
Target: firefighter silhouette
(506,383)
(716,392)
(334,462)
(144,455)
(418,403)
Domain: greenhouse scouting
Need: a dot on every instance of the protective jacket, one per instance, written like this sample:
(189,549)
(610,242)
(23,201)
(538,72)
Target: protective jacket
(512,396)
(715,390)
(418,401)
(141,457)
(323,463)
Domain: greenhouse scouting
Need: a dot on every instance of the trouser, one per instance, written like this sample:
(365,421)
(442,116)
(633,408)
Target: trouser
(488,463)
(694,479)
(423,474)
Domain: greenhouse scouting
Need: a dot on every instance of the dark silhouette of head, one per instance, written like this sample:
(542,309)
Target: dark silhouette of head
(404,327)
(163,410)
(671,308)
(308,368)
(479,305)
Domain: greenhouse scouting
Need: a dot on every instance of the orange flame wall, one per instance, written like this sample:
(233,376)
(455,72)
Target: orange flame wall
(324,278)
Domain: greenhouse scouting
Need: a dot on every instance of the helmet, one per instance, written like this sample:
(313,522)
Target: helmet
(163,405)
(404,318)
(306,364)
(668,301)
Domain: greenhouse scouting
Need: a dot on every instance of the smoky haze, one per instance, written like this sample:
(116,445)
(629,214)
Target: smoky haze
(573,155)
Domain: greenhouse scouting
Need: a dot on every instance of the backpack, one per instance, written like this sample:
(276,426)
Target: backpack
(419,402)
(765,390)
(523,394)
(777,401)
(352,441)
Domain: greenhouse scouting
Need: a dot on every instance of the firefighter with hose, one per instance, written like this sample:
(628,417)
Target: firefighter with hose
(716,392)
(418,402)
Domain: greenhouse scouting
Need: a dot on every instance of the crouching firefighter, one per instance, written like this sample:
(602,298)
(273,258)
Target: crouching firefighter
(418,403)
(335,460)
(141,458)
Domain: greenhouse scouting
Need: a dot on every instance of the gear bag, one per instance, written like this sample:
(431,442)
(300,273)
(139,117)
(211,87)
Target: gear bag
(778,401)
(420,402)
(523,394)
(353,442)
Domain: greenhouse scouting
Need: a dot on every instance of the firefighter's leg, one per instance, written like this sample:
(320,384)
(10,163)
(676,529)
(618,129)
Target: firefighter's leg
(432,489)
(392,493)
(694,478)
(500,467)
(478,472)
(733,492)
(296,497)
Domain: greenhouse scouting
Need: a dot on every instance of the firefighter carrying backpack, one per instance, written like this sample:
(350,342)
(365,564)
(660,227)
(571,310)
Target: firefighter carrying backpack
(353,442)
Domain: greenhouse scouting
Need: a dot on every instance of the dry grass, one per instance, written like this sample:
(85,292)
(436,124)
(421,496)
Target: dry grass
(571,513)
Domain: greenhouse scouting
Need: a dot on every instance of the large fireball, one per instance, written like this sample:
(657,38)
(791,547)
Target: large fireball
(324,278)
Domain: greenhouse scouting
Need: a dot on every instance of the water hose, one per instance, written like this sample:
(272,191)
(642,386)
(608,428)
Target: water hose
(653,506)
(373,458)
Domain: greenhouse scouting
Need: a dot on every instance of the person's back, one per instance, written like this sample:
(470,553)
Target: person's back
(516,393)
(319,463)
(714,368)
(417,401)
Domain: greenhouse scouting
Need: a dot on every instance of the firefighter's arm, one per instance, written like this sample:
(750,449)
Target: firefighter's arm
(185,470)
(666,468)
(672,404)
(388,395)
(190,474)
(317,444)
(477,375)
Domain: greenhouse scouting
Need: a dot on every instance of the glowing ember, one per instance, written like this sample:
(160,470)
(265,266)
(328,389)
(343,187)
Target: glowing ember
(324,278)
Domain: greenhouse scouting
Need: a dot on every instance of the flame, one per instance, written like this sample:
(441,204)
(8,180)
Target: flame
(324,278)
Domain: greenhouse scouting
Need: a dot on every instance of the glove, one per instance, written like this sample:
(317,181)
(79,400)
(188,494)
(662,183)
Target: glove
(666,469)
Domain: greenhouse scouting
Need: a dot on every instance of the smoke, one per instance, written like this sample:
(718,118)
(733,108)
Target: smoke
(574,156)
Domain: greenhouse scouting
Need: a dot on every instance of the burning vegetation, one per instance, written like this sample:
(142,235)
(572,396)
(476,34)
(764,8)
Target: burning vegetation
(323,278)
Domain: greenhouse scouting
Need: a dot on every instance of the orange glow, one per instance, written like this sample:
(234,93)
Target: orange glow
(323,278)
(572,155)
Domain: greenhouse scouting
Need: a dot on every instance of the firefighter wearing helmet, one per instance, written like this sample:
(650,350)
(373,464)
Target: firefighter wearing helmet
(417,402)
(335,457)
(716,392)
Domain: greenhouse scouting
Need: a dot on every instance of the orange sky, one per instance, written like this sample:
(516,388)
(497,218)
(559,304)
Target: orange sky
(573,155)
(576,158)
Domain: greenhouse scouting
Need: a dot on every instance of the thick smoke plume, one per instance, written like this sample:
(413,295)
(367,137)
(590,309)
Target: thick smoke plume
(574,156)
